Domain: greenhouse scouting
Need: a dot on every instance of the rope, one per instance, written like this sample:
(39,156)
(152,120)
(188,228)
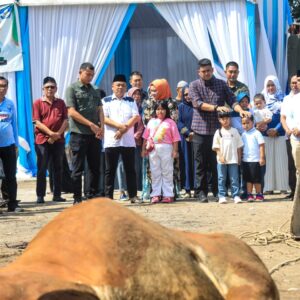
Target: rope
(270,236)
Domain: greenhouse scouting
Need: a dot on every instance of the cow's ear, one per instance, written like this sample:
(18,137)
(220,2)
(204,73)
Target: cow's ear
(69,294)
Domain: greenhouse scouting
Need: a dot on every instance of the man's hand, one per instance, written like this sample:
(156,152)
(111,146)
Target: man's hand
(118,134)
(296,132)
(245,114)
(55,136)
(223,109)
(123,128)
(96,129)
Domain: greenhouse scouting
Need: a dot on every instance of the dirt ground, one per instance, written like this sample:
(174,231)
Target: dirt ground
(273,214)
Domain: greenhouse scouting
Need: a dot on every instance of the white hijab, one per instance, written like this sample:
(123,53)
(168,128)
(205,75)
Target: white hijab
(273,101)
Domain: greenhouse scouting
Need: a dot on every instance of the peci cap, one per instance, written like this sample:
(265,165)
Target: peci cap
(181,84)
(119,77)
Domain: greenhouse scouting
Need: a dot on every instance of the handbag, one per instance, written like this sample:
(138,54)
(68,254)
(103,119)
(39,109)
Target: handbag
(150,143)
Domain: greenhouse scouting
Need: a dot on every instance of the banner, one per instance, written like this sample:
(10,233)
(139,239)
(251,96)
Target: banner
(10,42)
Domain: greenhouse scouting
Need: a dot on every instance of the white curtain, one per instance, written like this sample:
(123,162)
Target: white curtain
(160,53)
(265,65)
(192,21)
(230,36)
(187,21)
(278,38)
(63,37)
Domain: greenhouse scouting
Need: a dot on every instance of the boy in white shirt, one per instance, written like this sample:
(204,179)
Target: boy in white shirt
(227,143)
(253,158)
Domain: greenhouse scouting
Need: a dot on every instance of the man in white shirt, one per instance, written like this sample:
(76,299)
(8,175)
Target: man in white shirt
(285,118)
(120,115)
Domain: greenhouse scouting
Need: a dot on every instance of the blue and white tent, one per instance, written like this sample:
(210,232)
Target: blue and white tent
(161,39)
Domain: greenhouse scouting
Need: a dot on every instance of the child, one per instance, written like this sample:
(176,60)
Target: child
(227,143)
(253,158)
(262,115)
(244,102)
(162,135)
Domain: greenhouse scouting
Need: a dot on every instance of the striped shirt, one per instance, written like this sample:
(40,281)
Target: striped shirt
(214,92)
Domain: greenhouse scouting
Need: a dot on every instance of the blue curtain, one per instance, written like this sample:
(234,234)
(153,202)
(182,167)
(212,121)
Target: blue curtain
(24,98)
(251,7)
(127,18)
(123,55)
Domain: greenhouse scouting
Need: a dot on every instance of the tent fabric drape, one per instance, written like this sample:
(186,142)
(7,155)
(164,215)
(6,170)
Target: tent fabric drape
(193,21)
(187,21)
(27,158)
(276,17)
(230,36)
(63,37)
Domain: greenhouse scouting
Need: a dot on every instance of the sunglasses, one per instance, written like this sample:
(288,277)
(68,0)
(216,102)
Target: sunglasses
(3,86)
(186,94)
(52,87)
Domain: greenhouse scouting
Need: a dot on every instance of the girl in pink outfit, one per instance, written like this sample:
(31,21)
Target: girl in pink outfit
(161,138)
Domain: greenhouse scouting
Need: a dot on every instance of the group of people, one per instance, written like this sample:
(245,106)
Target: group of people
(211,138)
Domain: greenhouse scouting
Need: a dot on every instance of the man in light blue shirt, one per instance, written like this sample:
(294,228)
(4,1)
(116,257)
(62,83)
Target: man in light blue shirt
(8,145)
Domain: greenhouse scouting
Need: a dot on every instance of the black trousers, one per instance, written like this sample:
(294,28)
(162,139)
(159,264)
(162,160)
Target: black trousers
(291,167)
(111,158)
(205,161)
(46,152)
(84,146)
(9,162)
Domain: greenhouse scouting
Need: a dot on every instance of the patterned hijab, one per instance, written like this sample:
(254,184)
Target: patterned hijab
(273,101)
(163,89)
(183,100)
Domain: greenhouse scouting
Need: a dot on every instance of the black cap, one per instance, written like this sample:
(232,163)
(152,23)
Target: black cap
(49,79)
(119,77)
(298,73)
(224,114)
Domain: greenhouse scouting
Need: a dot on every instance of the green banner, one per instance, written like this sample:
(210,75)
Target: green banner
(10,43)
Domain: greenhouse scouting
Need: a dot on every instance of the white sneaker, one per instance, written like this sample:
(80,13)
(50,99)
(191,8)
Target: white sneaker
(222,200)
(237,199)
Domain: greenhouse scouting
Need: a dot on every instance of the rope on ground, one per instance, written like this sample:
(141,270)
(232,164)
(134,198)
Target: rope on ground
(285,263)
(270,236)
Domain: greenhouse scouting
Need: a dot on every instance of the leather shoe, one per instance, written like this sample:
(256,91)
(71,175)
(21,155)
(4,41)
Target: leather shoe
(77,201)
(58,199)
(289,196)
(40,200)
(202,198)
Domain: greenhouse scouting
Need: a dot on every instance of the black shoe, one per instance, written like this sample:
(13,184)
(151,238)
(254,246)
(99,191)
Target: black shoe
(289,196)
(77,201)
(202,198)
(15,209)
(40,200)
(58,199)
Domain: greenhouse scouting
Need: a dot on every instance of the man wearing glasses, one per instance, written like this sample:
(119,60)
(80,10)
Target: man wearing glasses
(8,145)
(50,117)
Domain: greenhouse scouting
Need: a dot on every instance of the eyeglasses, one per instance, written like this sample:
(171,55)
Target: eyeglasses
(186,94)
(52,87)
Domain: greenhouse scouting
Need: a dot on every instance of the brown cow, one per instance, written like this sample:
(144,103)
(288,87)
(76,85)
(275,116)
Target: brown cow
(101,250)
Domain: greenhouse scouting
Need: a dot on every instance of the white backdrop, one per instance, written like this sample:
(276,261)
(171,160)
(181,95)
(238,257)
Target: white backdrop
(63,37)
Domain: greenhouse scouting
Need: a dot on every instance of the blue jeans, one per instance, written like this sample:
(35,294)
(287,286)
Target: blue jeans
(233,171)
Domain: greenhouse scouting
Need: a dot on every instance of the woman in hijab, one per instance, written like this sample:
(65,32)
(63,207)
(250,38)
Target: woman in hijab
(136,94)
(276,177)
(185,117)
(159,90)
